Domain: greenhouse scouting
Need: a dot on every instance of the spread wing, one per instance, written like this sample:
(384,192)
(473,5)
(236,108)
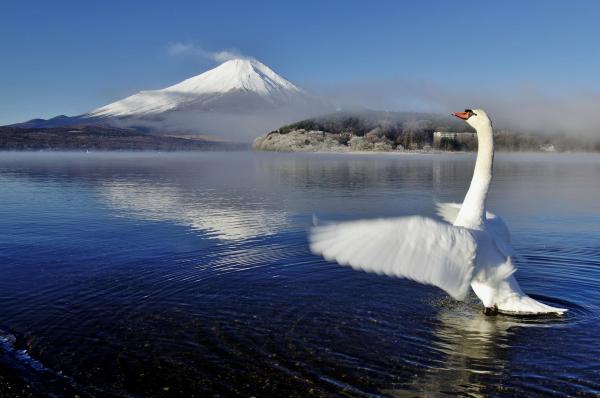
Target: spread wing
(493,223)
(416,248)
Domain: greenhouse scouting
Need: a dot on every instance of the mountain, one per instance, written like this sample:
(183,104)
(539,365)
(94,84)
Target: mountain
(236,100)
(212,90)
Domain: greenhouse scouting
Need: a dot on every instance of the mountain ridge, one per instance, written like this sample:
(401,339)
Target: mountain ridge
(236,75)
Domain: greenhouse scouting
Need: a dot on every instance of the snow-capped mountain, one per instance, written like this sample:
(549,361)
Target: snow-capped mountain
(239,99)
(239,77)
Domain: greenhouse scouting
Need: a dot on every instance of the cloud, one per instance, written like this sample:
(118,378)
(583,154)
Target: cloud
(192,50)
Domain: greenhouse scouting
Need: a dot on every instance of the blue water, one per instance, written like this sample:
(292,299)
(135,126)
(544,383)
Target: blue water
(134,275)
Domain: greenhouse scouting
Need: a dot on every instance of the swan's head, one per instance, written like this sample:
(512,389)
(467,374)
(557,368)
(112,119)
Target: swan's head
(476,118)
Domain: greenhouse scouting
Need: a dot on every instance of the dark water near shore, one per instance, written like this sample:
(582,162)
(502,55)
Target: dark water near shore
(134,275)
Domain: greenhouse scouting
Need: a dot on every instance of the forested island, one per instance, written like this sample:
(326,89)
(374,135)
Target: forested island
(399,131)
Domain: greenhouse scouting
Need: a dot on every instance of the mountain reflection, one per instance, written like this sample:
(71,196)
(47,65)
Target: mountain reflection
(204,211)
(247,195)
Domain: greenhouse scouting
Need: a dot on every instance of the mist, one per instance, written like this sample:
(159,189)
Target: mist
(242,127)
(518,107)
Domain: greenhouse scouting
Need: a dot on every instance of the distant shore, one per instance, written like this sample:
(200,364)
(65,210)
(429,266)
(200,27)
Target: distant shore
(314,141)
(102,138)
(99,138)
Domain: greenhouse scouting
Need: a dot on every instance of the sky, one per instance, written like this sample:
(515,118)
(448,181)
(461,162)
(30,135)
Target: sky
(68,57)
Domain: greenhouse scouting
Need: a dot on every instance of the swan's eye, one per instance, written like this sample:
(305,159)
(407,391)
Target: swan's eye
(470,112)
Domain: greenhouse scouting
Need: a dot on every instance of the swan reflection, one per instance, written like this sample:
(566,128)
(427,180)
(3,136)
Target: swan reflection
(476,348)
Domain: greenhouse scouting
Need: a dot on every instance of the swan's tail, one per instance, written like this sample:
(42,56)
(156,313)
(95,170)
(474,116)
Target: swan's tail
(507,296)
(512,300)
(525,305)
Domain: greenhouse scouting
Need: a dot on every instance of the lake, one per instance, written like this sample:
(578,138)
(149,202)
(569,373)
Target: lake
(189,275)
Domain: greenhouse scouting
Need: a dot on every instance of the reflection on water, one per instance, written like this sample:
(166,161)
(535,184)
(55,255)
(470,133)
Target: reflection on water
(473,345)
(189,275)
(204,211)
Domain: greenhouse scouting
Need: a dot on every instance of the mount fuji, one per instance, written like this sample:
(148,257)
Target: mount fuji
(237,100)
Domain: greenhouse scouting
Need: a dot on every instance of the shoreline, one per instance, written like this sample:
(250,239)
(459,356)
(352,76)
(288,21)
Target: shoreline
(251,150)
(424,152)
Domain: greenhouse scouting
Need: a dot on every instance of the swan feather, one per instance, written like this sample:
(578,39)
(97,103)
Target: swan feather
(417,248)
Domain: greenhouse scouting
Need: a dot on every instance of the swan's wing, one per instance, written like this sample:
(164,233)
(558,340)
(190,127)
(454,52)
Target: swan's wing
(494,224)
(416,248)
(500,233)
(448,211)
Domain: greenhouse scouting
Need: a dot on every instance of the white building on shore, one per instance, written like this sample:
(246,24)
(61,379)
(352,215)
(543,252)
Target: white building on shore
(452,136)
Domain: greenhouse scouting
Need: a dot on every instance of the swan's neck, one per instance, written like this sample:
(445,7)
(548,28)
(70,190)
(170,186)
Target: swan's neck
(472,211)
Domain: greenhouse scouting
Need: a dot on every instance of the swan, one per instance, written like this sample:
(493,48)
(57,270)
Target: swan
(470,248)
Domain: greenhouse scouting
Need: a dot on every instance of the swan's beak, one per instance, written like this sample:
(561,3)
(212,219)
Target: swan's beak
(462,115)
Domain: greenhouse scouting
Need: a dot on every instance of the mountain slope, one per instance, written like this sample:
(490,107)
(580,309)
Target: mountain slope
(240,78)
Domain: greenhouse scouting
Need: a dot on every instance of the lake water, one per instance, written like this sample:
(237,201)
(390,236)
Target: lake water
(133,275)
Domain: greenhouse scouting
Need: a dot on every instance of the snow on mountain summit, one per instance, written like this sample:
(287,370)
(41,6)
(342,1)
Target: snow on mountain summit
(247,76)
(241,74)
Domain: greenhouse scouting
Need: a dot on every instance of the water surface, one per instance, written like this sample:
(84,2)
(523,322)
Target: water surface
(143,274)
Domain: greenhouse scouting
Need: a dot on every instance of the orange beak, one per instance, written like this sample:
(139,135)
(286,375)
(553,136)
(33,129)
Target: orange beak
(462,115)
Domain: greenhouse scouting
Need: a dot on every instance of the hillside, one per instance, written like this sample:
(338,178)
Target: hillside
(100,139)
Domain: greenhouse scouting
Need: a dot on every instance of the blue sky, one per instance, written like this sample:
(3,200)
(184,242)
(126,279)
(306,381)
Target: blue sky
(67,57)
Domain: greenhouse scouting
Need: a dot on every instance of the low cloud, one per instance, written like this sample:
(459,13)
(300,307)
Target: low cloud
(521,107)
(180,49)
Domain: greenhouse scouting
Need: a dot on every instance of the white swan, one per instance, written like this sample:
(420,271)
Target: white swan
(472,248)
